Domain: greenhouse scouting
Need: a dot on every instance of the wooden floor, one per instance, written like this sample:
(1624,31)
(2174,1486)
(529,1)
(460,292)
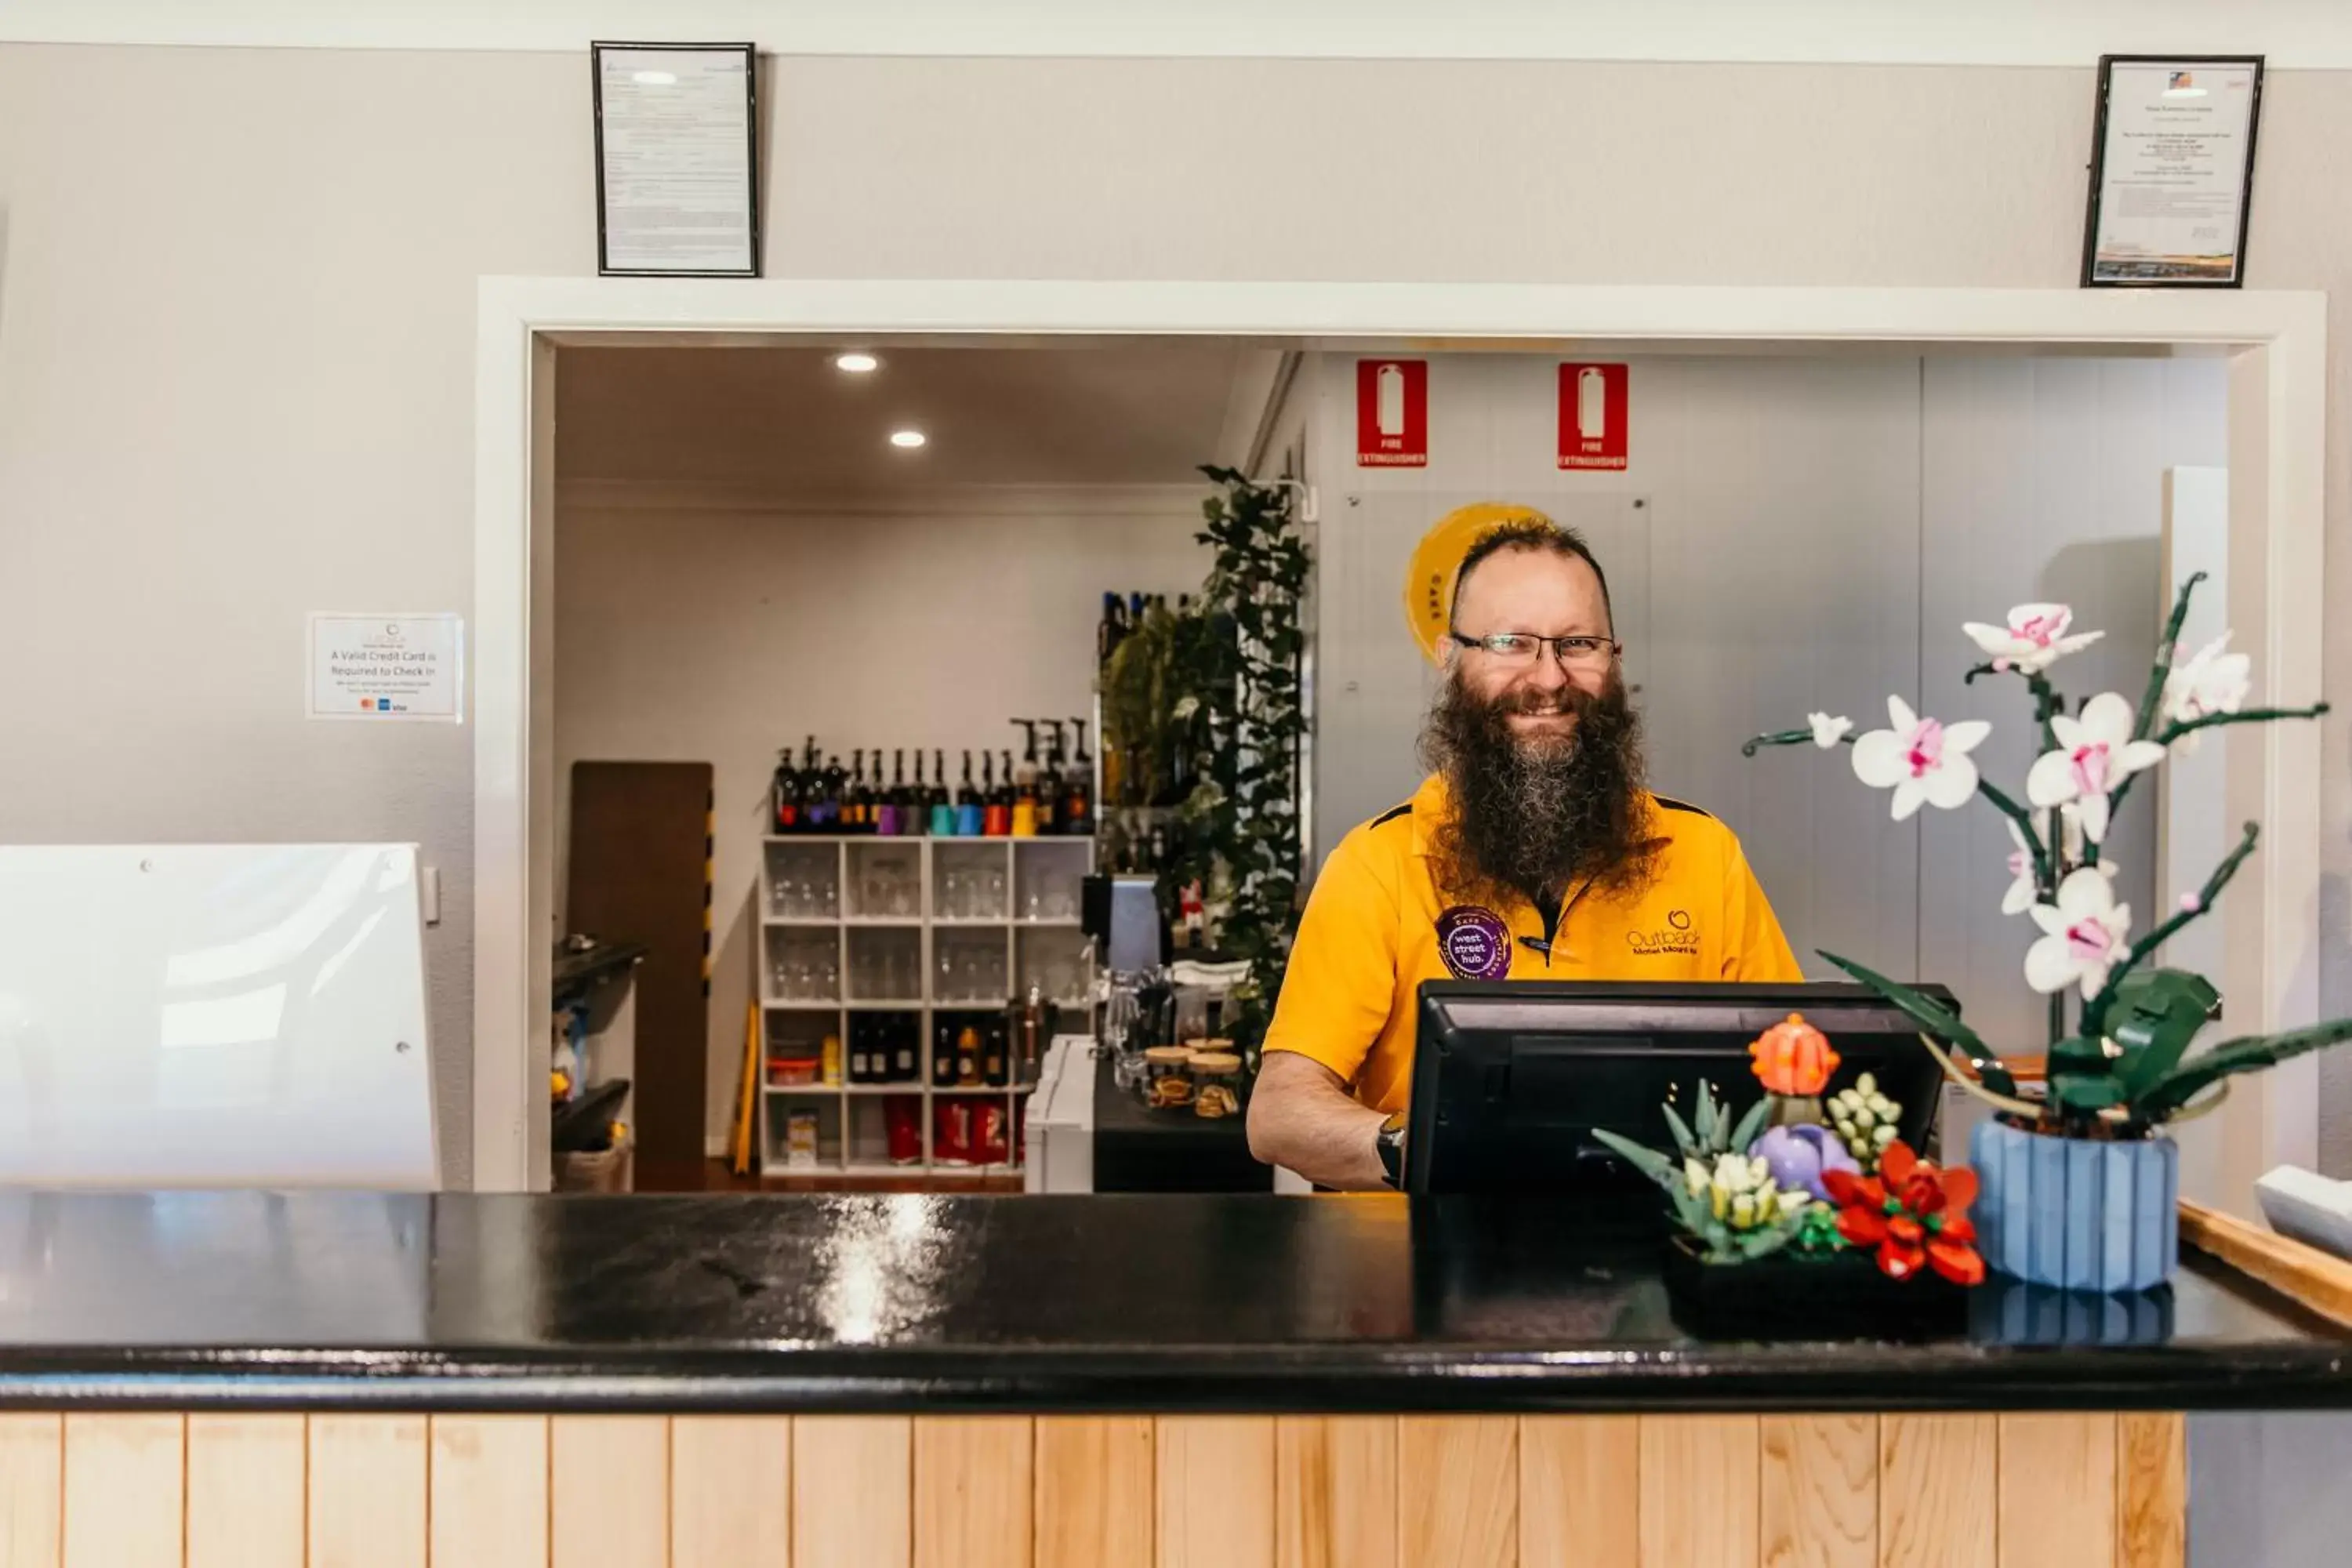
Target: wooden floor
(530,1492)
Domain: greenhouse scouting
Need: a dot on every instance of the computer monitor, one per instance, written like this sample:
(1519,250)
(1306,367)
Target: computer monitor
(1509,1079)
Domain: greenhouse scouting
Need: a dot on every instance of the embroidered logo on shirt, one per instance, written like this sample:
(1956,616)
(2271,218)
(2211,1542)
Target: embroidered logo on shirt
(1677,937)
(1474,942)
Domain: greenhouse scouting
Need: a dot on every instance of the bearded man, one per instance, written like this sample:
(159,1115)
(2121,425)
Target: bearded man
(1532,852)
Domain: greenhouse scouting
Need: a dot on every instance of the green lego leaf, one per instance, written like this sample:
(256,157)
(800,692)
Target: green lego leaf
(1666,1172)
(1938,1021)
(1751,1124)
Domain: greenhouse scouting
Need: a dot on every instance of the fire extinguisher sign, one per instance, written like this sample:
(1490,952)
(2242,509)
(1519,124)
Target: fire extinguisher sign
(1392,414)
(1593,415)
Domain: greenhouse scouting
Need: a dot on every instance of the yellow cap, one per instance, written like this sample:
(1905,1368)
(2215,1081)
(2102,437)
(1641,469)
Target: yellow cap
(1429,580)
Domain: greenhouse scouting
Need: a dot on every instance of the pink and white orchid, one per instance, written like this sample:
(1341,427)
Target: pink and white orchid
(2096,753)
(2021,891)
(2213,681)
(1828,732)
(2034,639)
(1922,761)
(2082,935)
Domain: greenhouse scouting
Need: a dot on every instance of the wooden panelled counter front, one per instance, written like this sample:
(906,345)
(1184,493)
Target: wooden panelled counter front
(367,1381)
(241,1491)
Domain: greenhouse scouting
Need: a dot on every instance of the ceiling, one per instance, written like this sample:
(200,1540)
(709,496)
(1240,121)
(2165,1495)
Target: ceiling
(783,418)
(2306,34)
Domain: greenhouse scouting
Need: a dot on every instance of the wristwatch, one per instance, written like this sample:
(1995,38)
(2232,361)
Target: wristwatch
(1389,1142)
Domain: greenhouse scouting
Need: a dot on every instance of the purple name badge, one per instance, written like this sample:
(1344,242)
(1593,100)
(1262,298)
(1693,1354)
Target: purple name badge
(1474,943)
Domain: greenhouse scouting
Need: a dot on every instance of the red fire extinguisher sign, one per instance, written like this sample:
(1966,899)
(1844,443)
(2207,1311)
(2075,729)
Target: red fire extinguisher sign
(1594,408)
(1392,414)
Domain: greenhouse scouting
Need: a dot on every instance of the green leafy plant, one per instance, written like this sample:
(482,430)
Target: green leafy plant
(2123,1067)
(1210,698)
(1727,1200)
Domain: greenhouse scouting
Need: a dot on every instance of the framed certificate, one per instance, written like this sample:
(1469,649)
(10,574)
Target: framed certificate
(677,160)
(2172,170)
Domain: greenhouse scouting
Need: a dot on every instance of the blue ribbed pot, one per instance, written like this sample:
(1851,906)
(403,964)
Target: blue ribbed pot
(2075,1214)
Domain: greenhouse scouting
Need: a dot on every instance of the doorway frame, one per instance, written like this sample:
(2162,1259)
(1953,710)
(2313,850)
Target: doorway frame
(2275,343)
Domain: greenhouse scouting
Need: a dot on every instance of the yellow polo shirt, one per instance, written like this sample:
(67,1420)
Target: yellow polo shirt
(1377,926)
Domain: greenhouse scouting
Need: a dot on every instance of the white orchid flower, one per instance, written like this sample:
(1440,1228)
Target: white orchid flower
(1696,1177)
(2096,753)
(2082,935)
(2021,891)
(1828,732)
(2034,639)
(1922,761)
(2214,681)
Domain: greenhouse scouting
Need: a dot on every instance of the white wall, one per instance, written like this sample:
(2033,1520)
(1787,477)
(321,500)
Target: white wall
(236,321)
(1793,535)
(721,635)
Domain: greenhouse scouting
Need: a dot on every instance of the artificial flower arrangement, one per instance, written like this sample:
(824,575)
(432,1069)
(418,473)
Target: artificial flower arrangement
(1792,1175)
(2079,1181)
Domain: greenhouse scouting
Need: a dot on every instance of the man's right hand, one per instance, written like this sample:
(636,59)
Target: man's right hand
(1302,1118)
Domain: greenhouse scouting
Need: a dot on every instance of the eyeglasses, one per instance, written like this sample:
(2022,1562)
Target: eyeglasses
(1515,651)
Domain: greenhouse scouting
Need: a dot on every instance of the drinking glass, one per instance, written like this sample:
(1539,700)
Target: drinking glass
(993,885)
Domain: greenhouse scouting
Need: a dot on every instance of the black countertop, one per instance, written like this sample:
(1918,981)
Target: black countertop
(934,1303)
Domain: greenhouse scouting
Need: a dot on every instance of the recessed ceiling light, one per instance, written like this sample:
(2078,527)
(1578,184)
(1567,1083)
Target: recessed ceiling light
(653,78)
(855,363)
(909,440)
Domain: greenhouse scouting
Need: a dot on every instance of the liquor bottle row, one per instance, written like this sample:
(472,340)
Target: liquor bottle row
(1120,618)
(972,1051)
(966,1130)
(1049,796)
(1166,763)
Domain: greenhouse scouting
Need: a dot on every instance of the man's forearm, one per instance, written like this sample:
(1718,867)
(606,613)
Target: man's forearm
(1303,1121)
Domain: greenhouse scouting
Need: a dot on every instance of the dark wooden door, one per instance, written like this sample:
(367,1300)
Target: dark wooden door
(641,873)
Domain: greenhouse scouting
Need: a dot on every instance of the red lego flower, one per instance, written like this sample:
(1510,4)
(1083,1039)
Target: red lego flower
(1911,1212)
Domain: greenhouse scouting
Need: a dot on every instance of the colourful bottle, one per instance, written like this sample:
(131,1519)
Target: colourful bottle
(968,819)
(887,815)
(942,805)
(996,813)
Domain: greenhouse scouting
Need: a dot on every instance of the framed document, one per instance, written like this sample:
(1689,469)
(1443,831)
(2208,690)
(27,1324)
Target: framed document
(2172,170)
(677,160)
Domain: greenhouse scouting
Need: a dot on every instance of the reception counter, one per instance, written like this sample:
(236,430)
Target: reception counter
(254,1379)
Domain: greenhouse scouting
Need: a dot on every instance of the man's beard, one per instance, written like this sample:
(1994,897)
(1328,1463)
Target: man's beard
(1545,812)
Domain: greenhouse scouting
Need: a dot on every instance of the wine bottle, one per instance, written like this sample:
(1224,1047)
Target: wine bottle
(968,819)
(829,794)
(1049,781)
(1078,788)
(943,811)
(996,801)
(905,1036)
(943,1057)
(784,804)
(968,1057)
(992,1067)
(1024,796)
(1112,630)
(887,797)
(807,784)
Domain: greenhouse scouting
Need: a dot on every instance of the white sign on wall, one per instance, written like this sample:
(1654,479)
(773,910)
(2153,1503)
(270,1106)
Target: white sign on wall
(383,667)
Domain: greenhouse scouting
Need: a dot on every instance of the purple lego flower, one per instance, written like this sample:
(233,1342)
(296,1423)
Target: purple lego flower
(1798,1155)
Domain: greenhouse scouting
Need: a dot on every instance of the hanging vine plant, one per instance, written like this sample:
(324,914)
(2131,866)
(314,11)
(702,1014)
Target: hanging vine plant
(1202,706)
(1244,842)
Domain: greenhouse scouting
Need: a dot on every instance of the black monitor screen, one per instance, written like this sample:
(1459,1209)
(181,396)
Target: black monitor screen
(1510,1077)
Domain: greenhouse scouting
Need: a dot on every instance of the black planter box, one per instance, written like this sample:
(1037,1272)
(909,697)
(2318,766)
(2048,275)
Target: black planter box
(1789,1297)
